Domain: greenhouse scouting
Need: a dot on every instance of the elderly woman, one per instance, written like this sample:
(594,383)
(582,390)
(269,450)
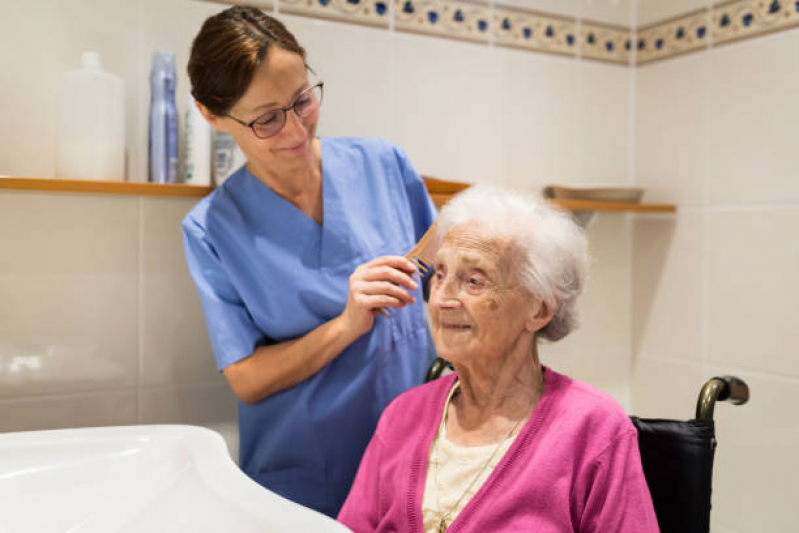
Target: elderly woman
(504,444)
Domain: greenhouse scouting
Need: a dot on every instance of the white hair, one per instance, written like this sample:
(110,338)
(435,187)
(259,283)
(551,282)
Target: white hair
(554,249)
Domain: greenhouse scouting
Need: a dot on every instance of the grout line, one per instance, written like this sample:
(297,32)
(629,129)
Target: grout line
(721,368)
(140,314)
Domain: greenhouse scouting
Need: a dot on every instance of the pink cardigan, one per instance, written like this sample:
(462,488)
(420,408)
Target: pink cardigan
(575,466)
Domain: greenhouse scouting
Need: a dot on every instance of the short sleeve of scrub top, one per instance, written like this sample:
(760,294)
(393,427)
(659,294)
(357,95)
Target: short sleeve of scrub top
(267,273)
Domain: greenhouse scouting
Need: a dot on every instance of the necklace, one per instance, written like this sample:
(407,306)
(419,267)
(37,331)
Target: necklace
(442,524)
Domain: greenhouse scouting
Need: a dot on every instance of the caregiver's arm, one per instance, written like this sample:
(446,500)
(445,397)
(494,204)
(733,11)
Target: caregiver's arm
(271,369)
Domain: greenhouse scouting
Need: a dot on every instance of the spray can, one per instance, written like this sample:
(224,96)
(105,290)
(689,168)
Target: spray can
(163,131)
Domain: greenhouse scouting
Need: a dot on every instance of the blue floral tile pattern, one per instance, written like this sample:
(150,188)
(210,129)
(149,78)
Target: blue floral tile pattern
(749,18)
(533,31)
(447,18)
(688,33)
(605,43)
(372,12)
(475,20)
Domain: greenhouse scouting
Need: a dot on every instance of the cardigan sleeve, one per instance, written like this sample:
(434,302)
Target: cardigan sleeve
(361,510)
(616,494)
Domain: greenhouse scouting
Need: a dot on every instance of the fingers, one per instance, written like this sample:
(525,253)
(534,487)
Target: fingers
(393,269)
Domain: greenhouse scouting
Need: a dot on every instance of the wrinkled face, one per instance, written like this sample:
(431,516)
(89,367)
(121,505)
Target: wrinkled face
(477,306)
(276,83)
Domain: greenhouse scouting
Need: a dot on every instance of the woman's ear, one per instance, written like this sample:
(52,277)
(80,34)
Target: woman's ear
(209,117)
(540,316)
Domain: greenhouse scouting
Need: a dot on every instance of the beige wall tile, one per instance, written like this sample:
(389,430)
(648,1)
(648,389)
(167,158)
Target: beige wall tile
(753,258)
(651,11)
(667,274)
(608,371)
(754,487)
(445,112)
(356,69)
(175,344)
(609,241)
(67,334)
(754,121)
(46,38)
(66,234)
(606,11)
(109,408)
(605,114)
(198,404)
(538,109)
(671,123)
(667,388)
(162,235)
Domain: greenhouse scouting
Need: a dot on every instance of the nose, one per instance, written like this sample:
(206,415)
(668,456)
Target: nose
(294,126)
(444,294)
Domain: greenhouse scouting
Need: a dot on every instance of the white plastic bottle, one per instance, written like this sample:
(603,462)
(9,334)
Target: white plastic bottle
(91,123)
(197,167)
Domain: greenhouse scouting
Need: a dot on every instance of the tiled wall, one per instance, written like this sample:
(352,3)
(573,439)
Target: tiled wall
(99,322)
(715,289)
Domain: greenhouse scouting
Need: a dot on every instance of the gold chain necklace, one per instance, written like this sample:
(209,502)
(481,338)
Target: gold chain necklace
(442,524)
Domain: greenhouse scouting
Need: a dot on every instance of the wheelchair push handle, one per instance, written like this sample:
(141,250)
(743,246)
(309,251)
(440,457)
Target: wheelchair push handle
(721,389)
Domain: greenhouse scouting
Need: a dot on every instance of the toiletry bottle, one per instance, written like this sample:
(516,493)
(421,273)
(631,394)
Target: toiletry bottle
(197,167)
(91,123)
(163,141)
(228,157)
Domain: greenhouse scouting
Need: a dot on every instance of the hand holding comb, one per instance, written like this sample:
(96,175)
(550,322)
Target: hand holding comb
(421,255)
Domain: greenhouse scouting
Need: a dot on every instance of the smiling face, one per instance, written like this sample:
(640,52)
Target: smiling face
(276,83)
(478,307)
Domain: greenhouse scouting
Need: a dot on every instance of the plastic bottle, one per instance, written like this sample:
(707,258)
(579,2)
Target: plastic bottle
(163,141)
(91,123)
(228,157)
(197,167)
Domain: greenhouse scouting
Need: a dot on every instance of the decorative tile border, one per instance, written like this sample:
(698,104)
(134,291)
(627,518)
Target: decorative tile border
(372,12)
(605,43)
(445,18)
(723,23)
(535,31)
(485,22)
(688,33)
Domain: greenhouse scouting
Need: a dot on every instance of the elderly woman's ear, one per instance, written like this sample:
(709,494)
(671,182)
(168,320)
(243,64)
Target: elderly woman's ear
(540,316)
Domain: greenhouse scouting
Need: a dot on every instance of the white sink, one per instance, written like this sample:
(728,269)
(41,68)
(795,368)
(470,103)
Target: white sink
(137,479)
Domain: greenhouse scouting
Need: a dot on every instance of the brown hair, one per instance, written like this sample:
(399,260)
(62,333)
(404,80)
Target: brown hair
(227,51)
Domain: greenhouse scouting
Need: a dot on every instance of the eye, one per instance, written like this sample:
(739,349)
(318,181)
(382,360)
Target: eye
(303,100)
(475,282)
(266,120)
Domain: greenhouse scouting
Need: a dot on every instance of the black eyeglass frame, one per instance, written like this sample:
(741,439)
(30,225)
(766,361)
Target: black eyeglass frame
(284,110)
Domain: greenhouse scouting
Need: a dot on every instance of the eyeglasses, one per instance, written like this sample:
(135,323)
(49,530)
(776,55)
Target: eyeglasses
(269,124)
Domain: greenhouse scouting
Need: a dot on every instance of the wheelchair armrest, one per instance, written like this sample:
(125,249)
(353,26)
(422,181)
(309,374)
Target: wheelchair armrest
(720,389)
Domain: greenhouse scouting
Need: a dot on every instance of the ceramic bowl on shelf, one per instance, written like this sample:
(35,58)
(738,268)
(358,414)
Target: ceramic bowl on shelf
(599,193)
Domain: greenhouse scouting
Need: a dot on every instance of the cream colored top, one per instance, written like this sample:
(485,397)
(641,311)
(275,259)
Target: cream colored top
(450,470)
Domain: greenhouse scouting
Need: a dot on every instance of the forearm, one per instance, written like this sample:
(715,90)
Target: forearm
(271,369)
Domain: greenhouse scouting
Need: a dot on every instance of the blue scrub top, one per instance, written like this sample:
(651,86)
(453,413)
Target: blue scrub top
(268,273)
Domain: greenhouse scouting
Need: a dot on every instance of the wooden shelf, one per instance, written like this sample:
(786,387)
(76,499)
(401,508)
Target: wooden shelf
(441,191)
(107,187)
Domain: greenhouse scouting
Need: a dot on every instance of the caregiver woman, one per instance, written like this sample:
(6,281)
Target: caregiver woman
(293,254)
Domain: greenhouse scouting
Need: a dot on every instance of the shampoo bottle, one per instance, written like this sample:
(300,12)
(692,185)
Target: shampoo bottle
(197,168)
(163,137)
(91,123)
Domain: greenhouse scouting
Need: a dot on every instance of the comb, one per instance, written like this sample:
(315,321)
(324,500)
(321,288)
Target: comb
(421,255)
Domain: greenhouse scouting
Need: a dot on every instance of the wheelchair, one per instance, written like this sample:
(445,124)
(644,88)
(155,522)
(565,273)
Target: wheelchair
(676,455)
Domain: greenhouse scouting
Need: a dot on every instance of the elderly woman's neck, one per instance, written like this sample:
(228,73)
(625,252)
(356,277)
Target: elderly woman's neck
(509,389)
